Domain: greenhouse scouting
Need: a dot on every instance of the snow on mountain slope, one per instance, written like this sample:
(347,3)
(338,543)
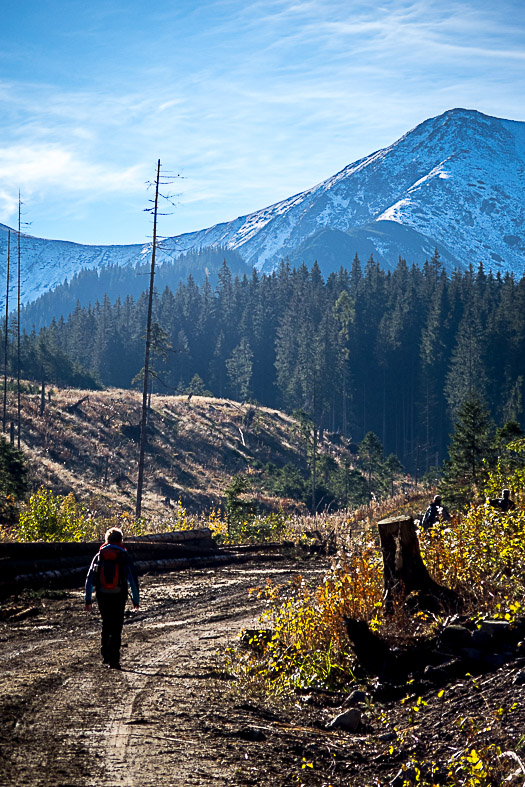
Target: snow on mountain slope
(44,264)
(456,181)
(458,178)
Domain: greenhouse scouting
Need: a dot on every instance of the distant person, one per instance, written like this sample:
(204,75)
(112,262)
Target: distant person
(110,573)
(436,512)
(504,503)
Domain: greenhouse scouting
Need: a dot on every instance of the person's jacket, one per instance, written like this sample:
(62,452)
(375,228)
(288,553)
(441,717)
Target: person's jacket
(503,503)
(130,575)
(433,514)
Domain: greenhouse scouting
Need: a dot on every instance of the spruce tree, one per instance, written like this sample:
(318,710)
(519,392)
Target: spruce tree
(470,452)
(13,471)
(371,458)
(343,315)
(239,367)
(392,469)
(467,374)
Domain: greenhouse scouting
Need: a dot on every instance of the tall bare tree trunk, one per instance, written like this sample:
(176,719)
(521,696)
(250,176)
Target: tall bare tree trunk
(144,420)
(18,407)
(314,468)
(345,425)
(6,340)
(43,396)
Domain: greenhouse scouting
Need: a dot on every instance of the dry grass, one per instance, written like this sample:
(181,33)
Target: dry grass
(342,526)
(87,442)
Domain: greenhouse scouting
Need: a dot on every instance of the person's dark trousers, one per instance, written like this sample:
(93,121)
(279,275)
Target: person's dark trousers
(112,612)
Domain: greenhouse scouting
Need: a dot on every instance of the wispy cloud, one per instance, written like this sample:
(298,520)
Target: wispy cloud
(37,169)
(8,205)
(55,166)
(254,100)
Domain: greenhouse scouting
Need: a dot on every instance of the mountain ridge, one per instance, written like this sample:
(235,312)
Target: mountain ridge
(457,181)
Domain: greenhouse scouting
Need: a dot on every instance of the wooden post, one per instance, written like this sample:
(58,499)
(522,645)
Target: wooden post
(403,568)
(43,396)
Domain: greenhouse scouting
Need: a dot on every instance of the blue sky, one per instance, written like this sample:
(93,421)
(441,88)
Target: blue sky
(250,102)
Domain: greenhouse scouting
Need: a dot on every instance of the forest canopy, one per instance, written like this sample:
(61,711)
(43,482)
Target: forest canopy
(366,350)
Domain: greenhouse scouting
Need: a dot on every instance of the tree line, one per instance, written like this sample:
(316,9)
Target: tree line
(395,353)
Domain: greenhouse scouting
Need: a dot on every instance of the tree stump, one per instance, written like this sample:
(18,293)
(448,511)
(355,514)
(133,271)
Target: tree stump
(404,571)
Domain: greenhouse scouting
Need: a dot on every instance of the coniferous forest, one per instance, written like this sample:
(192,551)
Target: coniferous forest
(392,352)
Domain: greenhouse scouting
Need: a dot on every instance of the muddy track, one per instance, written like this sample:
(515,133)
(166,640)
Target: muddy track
(164,720)
(174,716)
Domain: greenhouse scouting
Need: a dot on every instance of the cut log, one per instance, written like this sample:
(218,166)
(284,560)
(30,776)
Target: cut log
(405,573)
(139,551)
(75,577)
(75,407)
(37,550)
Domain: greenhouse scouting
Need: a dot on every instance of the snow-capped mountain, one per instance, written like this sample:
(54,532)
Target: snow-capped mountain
(455,182)
(47,263)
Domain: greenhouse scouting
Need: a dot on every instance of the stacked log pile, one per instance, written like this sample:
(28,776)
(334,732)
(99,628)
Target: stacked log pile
(65,564)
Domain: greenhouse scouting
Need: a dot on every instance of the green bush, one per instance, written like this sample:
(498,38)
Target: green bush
(237,506)
(261,528)
(54,518)
(13,481)
(288,481)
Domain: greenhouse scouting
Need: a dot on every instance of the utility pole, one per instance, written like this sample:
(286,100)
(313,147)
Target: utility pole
(6,341)
(144,420)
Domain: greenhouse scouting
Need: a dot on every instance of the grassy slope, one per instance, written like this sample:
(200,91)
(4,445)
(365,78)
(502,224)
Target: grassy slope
(195,446)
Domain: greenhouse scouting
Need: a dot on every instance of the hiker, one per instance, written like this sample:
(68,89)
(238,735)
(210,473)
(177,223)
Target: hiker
(504,503)
(110,573)
(436,512)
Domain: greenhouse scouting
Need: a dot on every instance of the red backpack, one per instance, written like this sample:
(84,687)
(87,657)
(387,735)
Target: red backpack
(111,570)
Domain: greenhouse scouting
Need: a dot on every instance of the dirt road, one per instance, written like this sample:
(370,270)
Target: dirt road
(171,717)
(174,716)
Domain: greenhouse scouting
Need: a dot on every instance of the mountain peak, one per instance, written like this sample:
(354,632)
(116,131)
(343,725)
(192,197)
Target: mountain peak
(456,182)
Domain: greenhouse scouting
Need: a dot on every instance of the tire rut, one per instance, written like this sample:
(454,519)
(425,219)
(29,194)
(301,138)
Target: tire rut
(69,722)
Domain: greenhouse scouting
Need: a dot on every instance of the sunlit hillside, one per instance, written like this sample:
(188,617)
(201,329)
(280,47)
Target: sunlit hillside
(87,442)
